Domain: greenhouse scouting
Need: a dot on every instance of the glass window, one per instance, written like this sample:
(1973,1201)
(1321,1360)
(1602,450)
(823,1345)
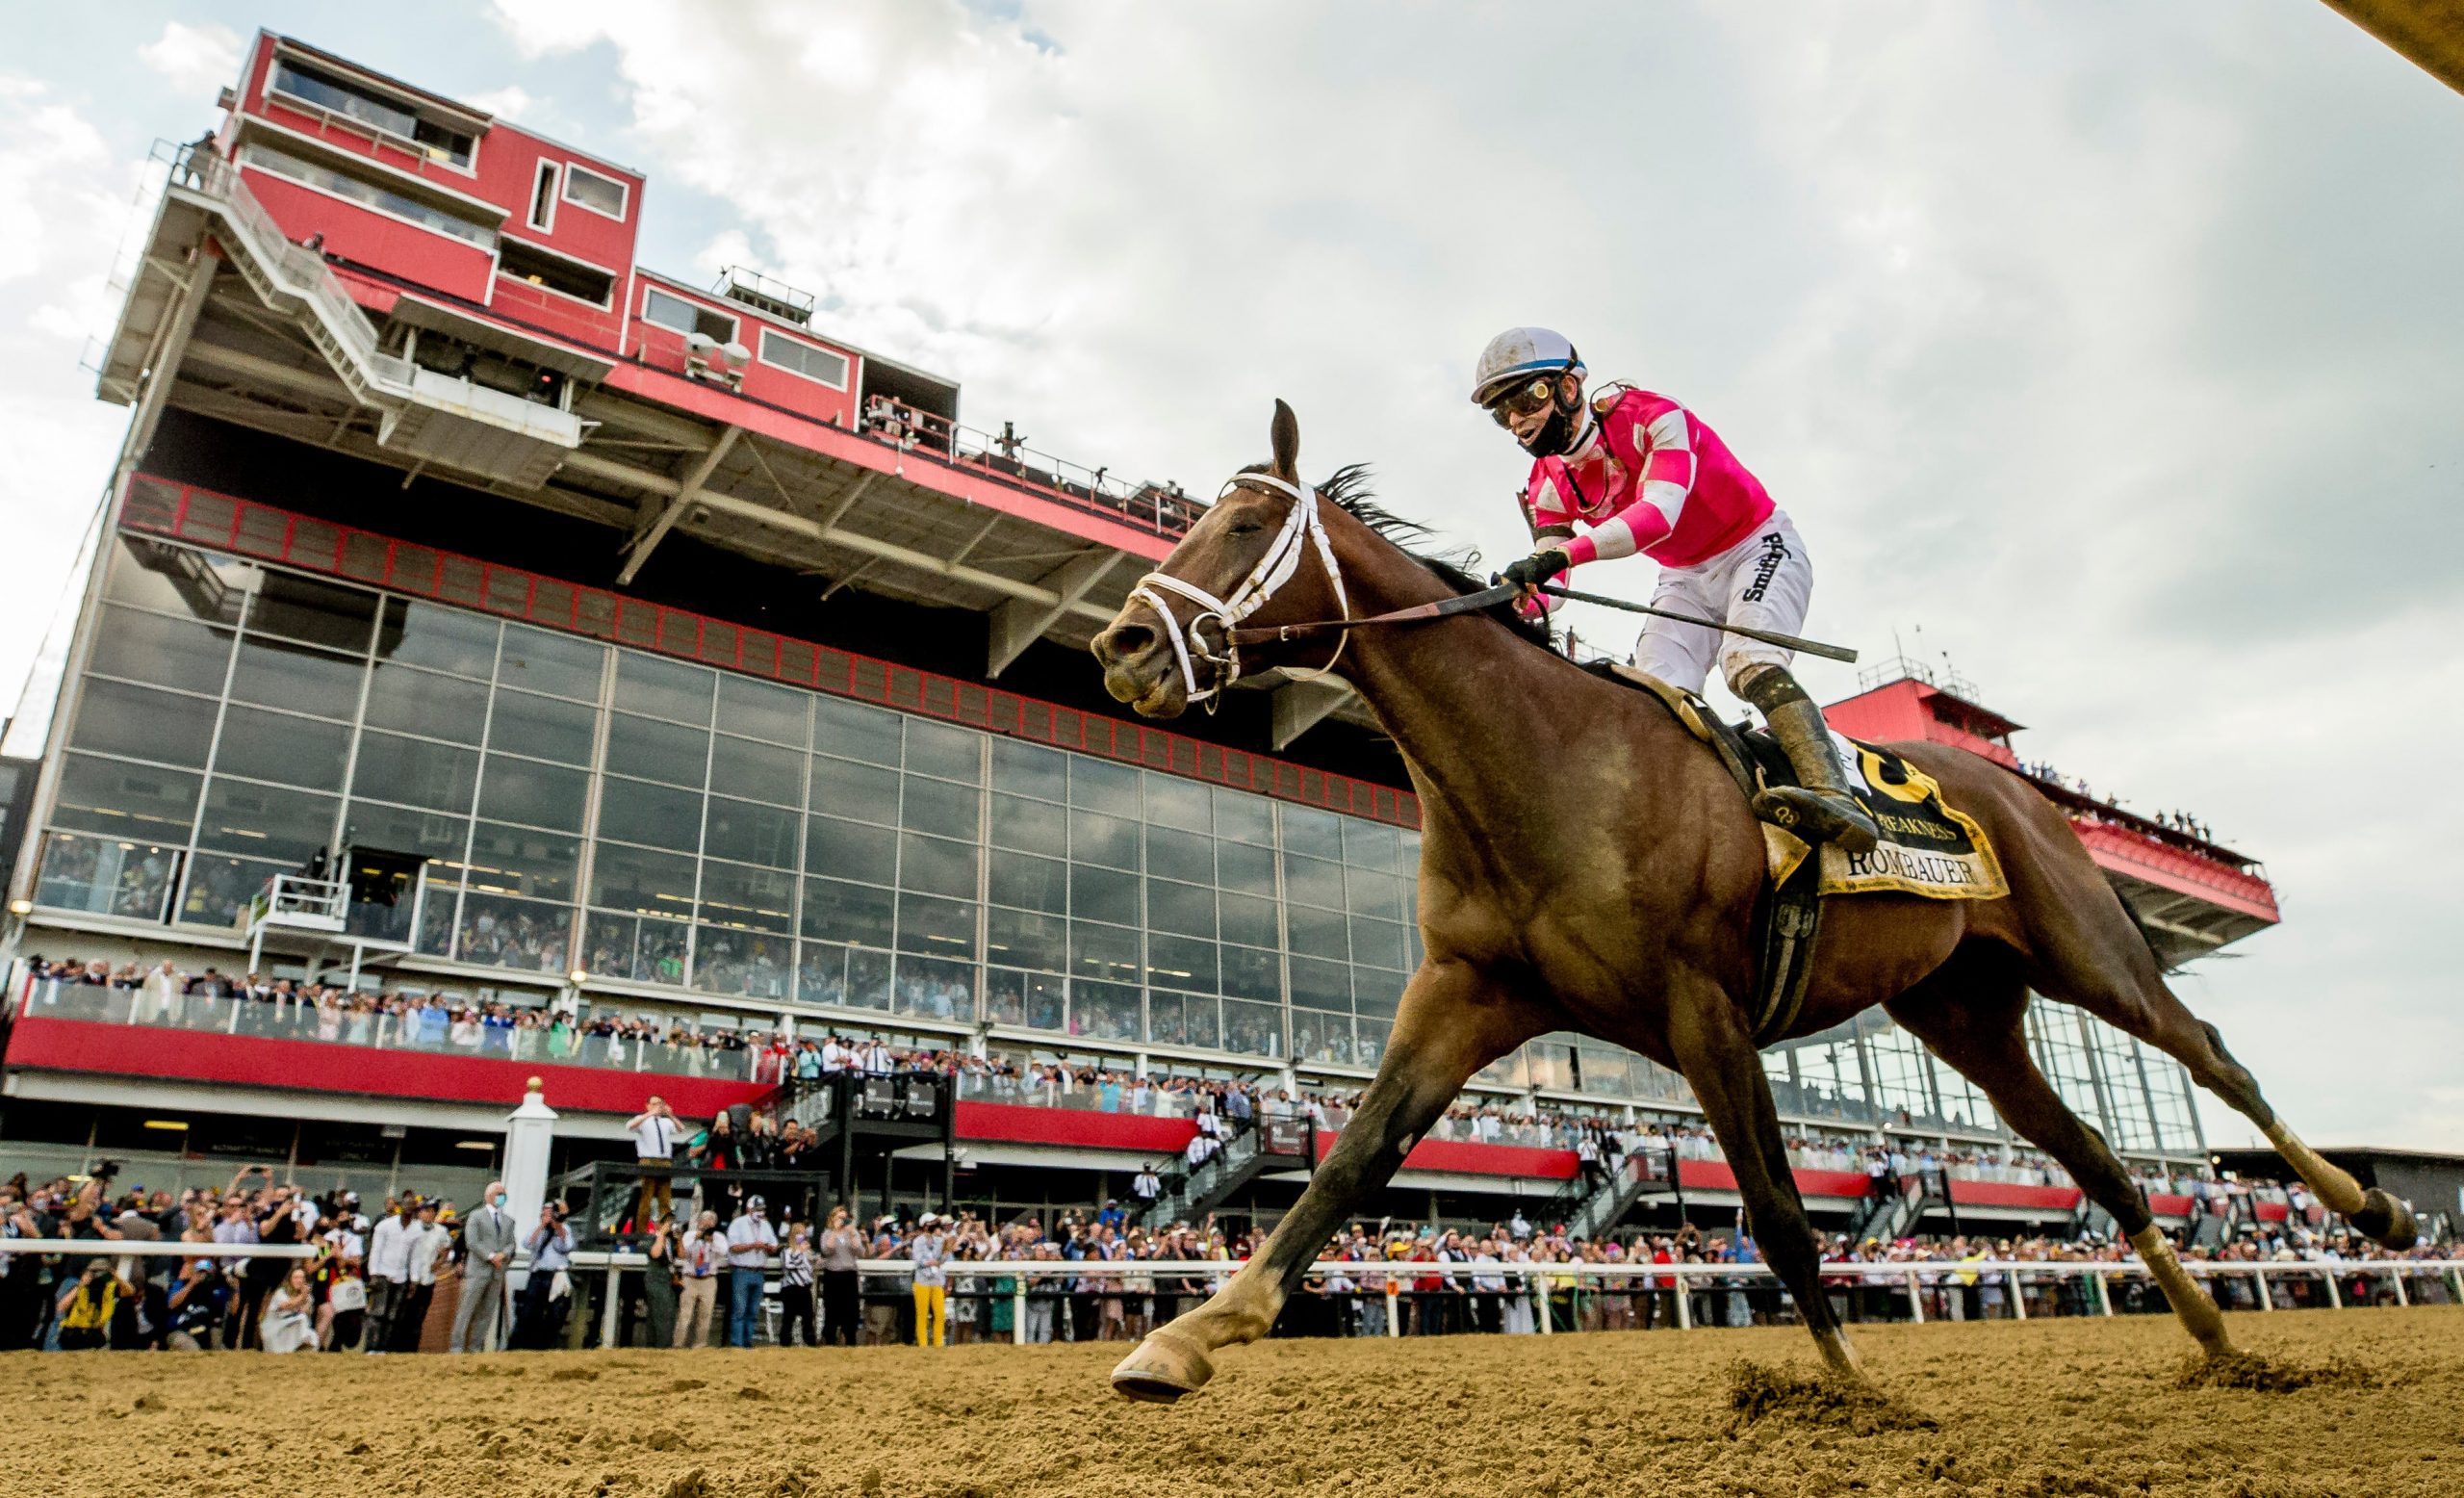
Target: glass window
(1251,974)
(1377,943)
(297,677)
(1108,952)
(671,310)
(943,927)
(1102,894)
(757,771)
(1374,895)
(1184,1019)
(637,812)
(622,946)
(1370,844)
(426,704)
(1097,782)
(276,746)
(1023,998)
(751,833)
(1250,871)
(653,750)
(1105,1011)
(641,880)
(518,860)
(1096,838)
(167,651)
(867,980)
(938,806)
(414,772)
(502,931)
(1185,909)
(736,894)
(107,876)
(940,750)
(835,911)
(220,887)
(176,580)
(1247,919)
(544,728)
(1315,834)
(544,795)
(1180,855)
(937,865)
(933,988)
(758,710)
(314,613)
(1318,933)
(1254,1028)
(1317,1036)
(1021,940)
(1031,825)
(1175,802)
(433,636)
(664,689)
(751,963)
(113,718)
(1375,992)
(843,787)
(1181,963)
(1312,883)
(1243,819)
(133,801)
(400,830)
(1030,770)
(850,850)
(540,661)
(854,731)
(821,972)
(266,822)
(1321,985)
(1024,880)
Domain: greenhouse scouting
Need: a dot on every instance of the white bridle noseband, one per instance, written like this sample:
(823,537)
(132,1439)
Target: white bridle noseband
(1302,529)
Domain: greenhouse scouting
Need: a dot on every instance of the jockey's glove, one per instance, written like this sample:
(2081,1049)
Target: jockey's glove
(1529,572)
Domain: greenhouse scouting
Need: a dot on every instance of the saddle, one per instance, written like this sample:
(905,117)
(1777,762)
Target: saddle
(1928,848)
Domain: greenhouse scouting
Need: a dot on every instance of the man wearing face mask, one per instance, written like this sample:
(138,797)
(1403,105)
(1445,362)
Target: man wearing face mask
(487,1249)
(1630,470)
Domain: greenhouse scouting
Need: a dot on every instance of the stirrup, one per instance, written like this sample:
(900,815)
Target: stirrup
(1818,816)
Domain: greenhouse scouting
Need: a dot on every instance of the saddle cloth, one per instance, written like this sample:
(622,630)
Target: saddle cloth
(1929,848)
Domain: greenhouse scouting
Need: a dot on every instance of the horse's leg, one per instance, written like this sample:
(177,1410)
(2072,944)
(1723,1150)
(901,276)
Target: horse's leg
(1707,1035)
(1451,1024)
(1971,1011)
(2104,967)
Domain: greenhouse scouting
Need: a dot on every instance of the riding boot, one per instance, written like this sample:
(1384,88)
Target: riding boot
(1818,808)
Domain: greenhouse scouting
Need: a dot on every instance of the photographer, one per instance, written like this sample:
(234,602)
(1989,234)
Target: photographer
(96,1311)
(541,1319)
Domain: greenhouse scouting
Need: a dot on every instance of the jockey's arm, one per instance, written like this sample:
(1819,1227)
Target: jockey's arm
(1664,447)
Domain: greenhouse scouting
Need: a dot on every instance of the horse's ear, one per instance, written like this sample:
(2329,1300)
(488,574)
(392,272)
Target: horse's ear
(1287,442)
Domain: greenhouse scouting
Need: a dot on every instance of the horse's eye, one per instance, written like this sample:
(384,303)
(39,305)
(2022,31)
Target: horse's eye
(1247,526)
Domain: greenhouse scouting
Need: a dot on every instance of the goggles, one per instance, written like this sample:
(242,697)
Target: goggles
(1528,398)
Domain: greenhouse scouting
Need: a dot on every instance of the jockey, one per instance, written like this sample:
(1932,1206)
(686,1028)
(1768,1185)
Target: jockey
(1630,470)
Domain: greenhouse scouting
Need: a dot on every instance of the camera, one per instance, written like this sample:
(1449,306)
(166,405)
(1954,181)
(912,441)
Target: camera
(106,1169)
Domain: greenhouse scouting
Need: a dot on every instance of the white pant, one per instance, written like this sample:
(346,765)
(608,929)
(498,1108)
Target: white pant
(1763,581)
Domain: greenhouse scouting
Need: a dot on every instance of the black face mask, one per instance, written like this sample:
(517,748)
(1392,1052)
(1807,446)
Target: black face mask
(1562,432)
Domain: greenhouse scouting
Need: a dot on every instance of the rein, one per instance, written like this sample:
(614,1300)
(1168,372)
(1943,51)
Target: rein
(1303,530)
(1443,609)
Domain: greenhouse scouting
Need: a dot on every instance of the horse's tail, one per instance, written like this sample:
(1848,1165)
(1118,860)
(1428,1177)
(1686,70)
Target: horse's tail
(2139,923)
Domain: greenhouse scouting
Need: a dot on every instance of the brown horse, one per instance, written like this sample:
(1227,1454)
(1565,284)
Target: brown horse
(1586,865)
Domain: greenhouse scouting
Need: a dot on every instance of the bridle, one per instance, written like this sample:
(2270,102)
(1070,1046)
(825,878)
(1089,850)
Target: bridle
(1303,530)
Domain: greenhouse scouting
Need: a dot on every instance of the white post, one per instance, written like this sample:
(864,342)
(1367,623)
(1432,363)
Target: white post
(1394,1312)
(608,1316)
(1916,1299)
(1018,1311)
(2396,1272)
(1685,1302)
(1540,1295)
(2260,1275)
(2104,1294)
(2018,1299)
(528,1131)
(2335,1296)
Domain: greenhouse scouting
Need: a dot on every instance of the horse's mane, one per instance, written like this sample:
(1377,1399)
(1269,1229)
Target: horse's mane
(1348,490)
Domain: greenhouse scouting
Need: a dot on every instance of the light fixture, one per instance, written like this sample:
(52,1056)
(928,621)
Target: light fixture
(21,907)
(174,1125)
(474,1143)
(578,977)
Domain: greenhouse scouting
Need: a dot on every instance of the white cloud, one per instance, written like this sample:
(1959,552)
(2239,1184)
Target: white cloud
(511,102)
(194,58)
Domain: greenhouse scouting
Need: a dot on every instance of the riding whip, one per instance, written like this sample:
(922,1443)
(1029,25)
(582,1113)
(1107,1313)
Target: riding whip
(1795,642)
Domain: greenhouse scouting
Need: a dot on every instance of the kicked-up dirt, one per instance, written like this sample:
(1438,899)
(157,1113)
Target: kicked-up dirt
(2354,1403)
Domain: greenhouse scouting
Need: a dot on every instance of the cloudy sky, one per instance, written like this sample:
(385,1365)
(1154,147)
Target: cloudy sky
(2114,351)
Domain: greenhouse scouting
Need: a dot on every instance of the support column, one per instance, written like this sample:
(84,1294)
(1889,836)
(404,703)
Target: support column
(529,1131)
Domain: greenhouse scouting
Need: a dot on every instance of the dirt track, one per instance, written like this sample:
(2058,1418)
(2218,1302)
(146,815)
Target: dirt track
(2033,1410)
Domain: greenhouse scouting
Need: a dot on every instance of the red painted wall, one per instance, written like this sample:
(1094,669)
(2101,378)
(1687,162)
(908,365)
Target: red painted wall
(1077,1128)
(355,233)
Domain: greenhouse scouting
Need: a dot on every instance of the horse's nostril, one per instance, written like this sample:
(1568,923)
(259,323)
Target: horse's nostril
(1125,642)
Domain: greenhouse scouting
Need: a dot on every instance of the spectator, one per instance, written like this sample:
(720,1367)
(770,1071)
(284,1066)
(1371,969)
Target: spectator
(487,1253)
(654,1130)
(289,1321)
(389,1272)
(841,1303)
(96,1311)
(795,1288)
(927,1250)
(549,1291)
(751,1241)
(702,1249)
(428,1248)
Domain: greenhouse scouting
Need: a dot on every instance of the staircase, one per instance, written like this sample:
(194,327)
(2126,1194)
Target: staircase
(1589,1210)
(1190,1194)
(1896,1214)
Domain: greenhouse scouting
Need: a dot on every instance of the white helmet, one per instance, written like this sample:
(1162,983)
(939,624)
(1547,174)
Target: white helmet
(1518,354)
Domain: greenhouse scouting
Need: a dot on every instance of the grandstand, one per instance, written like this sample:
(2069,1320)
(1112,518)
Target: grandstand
(596,674)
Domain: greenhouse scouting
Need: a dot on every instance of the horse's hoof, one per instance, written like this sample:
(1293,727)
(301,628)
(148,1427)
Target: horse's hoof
(1163,1368)
(2386,1221)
